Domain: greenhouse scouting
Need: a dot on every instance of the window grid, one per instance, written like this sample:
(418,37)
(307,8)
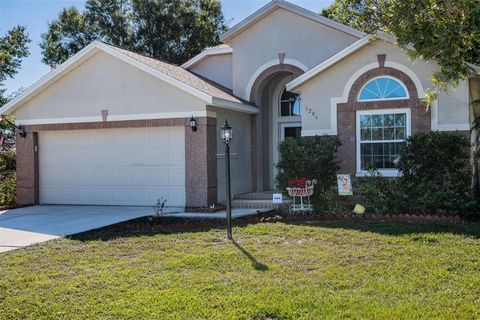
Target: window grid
(381,136)
(383,88)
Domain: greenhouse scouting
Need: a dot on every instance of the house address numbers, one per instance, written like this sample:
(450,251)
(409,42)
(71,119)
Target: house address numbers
(311,112)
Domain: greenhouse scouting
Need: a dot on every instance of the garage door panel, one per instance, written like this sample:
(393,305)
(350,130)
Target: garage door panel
(159,176)
(85,177)
(103,177)
(176,177)
(113,166)
(121,177)
(157,155)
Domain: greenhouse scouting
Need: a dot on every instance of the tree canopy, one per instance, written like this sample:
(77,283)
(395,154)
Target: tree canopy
(13,48)
(445,31)
(171,30)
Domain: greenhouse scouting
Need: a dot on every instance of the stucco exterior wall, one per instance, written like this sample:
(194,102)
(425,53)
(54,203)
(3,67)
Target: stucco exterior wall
(453,106)
(301,39)
(240,162)
(104,82)
(218,68)
(317,94)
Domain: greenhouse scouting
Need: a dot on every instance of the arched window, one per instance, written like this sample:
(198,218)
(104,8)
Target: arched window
(383,88)
(289,104)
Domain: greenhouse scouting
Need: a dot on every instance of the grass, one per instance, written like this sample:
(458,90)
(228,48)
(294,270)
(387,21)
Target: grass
(334,270)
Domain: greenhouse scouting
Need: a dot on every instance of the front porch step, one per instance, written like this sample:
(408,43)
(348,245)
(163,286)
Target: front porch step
(258,204)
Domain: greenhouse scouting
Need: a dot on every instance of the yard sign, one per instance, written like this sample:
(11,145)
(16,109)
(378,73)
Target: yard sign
(344,184)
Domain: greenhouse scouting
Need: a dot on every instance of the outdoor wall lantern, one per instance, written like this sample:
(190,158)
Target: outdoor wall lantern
(226,135)
(20,129)
(193,124)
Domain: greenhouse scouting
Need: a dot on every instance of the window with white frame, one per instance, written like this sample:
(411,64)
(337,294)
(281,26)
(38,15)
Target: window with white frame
(380,134)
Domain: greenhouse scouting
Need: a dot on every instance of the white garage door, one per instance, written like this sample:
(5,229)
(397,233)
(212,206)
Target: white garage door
(133,166)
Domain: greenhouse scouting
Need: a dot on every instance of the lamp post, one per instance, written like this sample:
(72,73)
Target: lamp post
(226,135)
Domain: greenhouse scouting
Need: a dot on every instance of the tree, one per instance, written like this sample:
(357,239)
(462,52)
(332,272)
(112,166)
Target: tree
(445,31)
(66,36)
(171,30)
(13,48)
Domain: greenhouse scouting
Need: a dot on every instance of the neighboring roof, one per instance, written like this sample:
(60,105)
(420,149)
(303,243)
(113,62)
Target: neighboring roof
(220,49)
(172,74)
(276,4)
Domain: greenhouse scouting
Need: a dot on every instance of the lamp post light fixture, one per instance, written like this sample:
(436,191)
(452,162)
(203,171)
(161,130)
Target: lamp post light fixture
(193,124)
(226,135)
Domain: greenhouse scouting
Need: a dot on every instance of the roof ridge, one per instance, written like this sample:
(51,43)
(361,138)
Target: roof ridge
(140,54)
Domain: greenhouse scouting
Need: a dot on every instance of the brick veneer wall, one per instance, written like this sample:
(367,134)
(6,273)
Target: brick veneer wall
(200,156)
(346,114)
(27,169)
(201,164)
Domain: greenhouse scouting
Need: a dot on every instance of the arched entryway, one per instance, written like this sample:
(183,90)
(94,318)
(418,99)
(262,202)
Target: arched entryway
(279,118)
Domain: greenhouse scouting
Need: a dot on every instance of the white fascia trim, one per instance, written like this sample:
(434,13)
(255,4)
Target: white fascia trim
(436,126)
(160,75)
(267,65)
(292,85)
(204,54)
(126,117)
(45,81)
(230,105)
(273,5)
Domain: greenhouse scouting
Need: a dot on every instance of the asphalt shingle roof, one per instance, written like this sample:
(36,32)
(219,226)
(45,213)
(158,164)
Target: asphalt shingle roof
(187,77)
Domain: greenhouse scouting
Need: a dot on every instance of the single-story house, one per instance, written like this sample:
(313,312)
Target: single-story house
(111,127)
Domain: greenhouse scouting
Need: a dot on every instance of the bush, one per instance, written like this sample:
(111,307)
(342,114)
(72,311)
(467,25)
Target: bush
(7,161)
(7,190)
(313,158)
(381,195)
(436,176)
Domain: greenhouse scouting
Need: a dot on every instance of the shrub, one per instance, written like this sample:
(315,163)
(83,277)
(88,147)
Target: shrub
(381,195)
(435,178)
(7,190)
(7,161)
(313,158)
(435,171)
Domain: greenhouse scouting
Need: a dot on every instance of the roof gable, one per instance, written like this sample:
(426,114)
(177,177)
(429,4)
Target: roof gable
(185,80)
(276,4)
(220,49)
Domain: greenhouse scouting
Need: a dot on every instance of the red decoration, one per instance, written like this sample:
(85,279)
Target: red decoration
(297,183)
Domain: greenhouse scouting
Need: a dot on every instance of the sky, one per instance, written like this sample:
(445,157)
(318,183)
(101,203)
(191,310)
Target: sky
(35,15)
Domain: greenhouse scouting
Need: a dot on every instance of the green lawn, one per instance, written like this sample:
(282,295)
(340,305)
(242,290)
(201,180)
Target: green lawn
(341,270)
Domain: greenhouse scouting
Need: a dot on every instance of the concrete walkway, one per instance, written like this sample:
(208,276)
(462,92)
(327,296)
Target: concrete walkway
(25,226)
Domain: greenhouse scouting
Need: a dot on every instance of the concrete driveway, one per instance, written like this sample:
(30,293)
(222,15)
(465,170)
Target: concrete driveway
(25,226)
